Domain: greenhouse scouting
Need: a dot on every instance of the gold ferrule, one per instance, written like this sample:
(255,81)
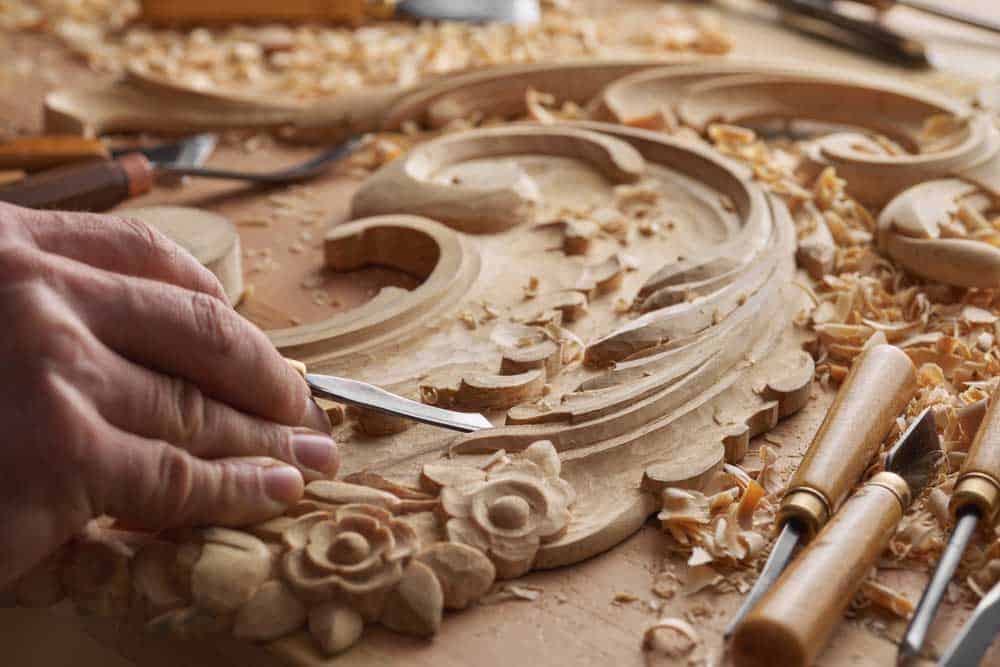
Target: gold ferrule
(896,484)
(808,506)
(977,490)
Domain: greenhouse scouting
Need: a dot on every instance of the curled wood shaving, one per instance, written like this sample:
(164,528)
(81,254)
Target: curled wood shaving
(673,637)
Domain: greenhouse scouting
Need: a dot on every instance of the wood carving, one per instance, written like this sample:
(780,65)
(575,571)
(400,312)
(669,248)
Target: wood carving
(620,302)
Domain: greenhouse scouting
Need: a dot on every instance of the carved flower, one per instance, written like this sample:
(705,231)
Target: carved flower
(355,552)
(511,510)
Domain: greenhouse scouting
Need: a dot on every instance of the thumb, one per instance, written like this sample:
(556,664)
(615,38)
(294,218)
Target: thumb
(154,485)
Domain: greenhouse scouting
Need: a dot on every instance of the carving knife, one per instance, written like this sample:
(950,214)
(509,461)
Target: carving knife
(971,644)
(364,395)
(880,384)
(794,620)
(103,184)
(976,498)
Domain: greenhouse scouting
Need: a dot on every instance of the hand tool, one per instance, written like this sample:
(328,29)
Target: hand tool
(349,11)
(368,396)
(971,644)
(976,498)
(44,152)
(794,620)
(955,15)
(100,186)
(819,18)
(873,394)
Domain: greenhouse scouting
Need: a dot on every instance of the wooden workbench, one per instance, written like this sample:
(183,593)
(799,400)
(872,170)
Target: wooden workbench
(576,621)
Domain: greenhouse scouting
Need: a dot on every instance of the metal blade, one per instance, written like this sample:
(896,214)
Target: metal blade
(367,396)
(916,631)
(976,637)
(504,11)
(188,152)
(916,454)
(776,563)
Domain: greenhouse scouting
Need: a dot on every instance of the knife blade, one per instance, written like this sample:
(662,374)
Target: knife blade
(363,395)
(969,647)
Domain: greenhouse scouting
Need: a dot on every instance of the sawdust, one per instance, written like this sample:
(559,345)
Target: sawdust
(311,61)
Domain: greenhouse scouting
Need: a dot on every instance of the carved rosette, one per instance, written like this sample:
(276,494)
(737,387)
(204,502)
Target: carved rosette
(511,510)
(355,554)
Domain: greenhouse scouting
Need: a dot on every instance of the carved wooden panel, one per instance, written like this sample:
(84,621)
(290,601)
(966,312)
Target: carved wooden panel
(618,298)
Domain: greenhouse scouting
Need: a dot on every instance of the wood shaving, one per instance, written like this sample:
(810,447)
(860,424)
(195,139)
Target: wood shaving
(674,637)
(310,61)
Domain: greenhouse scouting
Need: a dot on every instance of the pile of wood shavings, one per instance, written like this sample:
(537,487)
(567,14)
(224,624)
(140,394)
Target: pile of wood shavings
(862,299)
(309,61)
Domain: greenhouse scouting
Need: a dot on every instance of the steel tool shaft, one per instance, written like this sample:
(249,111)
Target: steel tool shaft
(794,619)
(875,392)
(976,497)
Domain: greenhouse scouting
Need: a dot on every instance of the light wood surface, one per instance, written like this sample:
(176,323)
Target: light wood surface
(576,622)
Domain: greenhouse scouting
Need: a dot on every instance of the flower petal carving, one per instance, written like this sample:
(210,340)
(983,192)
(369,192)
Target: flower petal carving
(521,503)
(355,551)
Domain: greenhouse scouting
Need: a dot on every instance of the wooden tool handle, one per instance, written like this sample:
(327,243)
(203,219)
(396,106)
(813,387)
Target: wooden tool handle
(875,392)
(979,482)
(95,186)
(251,11)
(36,153)
(793,621)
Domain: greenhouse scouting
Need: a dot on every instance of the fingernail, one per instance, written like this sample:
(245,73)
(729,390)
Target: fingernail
(315,451)
(316,418)
(283,484)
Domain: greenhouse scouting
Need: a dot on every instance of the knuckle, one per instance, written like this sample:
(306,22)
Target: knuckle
(19,262)
(172,491)
(187,408)
(215,319)
(155,245)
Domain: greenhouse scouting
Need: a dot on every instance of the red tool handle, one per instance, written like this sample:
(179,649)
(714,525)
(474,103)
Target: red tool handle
(94,186)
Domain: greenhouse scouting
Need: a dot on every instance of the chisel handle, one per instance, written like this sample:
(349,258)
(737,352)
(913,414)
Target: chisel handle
(794,620)
(37,153)
(875,392)
(91,186)
(979,481)
(188,12)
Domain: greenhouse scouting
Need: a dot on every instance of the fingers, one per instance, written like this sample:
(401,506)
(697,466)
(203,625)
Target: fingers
(152,405)
(113,243)
(153,485)
(193,336)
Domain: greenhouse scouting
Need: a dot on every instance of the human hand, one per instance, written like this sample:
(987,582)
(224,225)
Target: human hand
(132,389)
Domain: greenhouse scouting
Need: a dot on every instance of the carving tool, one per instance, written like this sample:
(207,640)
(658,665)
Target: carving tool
(794,620)
(349,11)
(820,18)
(976,498)
(945,12)
(971,644)
(873,394)
(100,186)
(364,395)
(37,153)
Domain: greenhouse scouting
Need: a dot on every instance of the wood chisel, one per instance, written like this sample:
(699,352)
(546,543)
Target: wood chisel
(346,11)
(875,392)
(976,498)
(368,396)
(794,620)
(44,152)
(102,184)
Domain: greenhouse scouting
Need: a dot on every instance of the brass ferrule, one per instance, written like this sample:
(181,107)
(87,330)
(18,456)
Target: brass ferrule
(896,484)
(808,506)
(977,490)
